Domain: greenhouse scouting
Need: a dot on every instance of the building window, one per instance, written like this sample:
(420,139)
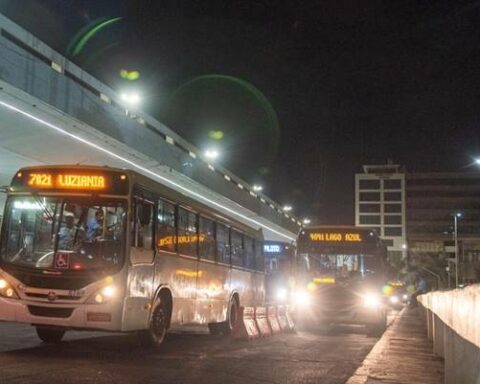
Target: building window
(388,242)
(374,219)
(392,231)
(369,184)
(392,184)
(391,219)
(369,196)
(369,208)
(392,208)
(392,196)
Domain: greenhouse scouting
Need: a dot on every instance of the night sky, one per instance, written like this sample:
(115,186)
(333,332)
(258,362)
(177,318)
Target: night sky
(304,92)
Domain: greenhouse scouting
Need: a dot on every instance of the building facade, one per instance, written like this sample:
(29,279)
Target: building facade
(433,201)
(415,215)
(380,204)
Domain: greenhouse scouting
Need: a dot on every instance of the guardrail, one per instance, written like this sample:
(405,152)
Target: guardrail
(453,324)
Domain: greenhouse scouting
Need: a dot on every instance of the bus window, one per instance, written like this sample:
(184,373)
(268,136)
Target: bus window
(237,248)
(223,249)
(206,239)
(187,232)
(249,252)
(166,232)
(259,257)
(142,227)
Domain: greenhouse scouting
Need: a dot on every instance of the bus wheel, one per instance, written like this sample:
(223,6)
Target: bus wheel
(157,331)
(50,334)
(232,317)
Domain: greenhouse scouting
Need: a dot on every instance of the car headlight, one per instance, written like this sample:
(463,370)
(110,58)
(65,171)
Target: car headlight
(394,299)
(301,298)
(281,294)
(6,290)
(372,300)
(102,296)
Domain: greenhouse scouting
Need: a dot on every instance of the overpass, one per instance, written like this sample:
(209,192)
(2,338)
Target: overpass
(51,112)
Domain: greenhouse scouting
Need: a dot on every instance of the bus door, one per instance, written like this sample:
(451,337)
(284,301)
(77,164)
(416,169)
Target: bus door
(140,288)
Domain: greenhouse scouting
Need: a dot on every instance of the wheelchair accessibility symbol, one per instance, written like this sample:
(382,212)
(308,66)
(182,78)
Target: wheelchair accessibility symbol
(61,261)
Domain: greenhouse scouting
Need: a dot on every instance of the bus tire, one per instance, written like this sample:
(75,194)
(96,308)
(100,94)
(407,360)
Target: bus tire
(51,335)
(232,316)
(155,335)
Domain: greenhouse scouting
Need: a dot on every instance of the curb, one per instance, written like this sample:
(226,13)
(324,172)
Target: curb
(361,375)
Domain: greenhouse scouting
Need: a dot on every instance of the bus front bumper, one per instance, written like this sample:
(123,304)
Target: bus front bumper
(105,317)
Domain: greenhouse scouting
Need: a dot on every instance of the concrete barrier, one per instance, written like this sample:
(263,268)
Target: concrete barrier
(272,319)
(453,323)
(246,327)
(262,321)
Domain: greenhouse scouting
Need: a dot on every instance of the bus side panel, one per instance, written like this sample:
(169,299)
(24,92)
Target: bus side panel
(138,297)
(179,275)
(213,292)
(245,283)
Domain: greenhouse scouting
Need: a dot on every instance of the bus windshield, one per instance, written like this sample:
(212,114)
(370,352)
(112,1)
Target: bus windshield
(341,266)
(63,233)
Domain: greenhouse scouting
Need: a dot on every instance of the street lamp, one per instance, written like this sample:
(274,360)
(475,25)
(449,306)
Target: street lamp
(456,216)
(306,221)
(257,188)
(287,208)
(211,154)
(477,161)
(131,98)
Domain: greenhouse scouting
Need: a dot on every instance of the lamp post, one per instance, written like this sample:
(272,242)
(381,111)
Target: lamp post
(456,216)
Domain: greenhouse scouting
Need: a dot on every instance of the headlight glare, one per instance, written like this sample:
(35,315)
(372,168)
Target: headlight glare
(301,298)
(281,294)
(6,290)
(372,300)
(103,295)
(394,299)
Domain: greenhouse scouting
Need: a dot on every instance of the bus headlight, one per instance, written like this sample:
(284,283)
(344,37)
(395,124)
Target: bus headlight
(301,298)
(281,294)
(6,290)
(104,295)
(394,299)
(372,300)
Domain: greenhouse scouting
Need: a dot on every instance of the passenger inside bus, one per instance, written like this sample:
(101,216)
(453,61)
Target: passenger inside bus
(95,225)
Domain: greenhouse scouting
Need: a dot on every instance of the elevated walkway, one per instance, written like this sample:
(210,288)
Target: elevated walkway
(53,112)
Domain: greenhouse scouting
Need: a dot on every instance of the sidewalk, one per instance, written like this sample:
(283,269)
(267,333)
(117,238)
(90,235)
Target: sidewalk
(403,355)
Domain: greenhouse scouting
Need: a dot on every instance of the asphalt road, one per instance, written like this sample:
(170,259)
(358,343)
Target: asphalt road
(304,357)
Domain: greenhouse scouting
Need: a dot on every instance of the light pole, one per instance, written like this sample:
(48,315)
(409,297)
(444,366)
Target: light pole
(456,216)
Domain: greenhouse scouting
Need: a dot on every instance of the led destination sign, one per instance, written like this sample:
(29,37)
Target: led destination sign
(66,181)
(336,237)
(74,179)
